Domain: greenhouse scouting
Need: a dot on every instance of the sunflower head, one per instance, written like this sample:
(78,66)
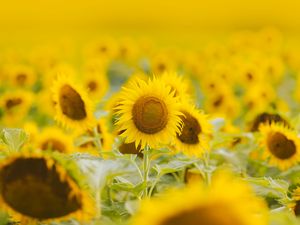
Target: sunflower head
(36,186)
(73,107)
(196,131)
(148,113)
(280,144)
(199,204)
(267,118)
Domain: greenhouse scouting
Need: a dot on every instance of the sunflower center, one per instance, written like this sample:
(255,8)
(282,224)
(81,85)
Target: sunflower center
(297,208)
(71,103)
(21,78)
(280,146)
(92,85)
(190,130)
(150,114)
(129,148)
(267,118)
(218,101)
(31,188)
(10,103)
(205,215)
(54,145)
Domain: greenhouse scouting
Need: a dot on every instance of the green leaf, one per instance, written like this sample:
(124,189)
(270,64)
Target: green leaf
(14,138)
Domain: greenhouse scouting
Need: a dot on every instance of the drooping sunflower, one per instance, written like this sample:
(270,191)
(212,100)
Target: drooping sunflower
(148,113)
(218,204)
(36,186)
(196,131)
(53,138)
(73,107)
(280,144)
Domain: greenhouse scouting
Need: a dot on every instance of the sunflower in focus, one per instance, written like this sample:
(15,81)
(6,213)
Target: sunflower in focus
(73,107)
(148,113)
(196,132)
(280,145)
(198,204)
(41,187)
(53,138)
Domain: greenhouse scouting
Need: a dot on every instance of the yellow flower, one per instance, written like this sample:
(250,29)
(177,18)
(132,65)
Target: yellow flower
(162,63)
(73,107)
(178,84)
(15,105)
(53,138)
(22,76)
(37,186)
(195,134)
(148,112)
(267,118)
(196,204)
(96,83)
(280,145)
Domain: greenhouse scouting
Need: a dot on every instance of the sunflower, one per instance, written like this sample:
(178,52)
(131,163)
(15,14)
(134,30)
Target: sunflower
(53,138)
(96,83)
(280,144)
(198,204)
(149,114)
(196,131)
(15,105)
(267,118)
(74,109)
(36,186)
(294,205)
(161,63)
(178,84)
(22,76)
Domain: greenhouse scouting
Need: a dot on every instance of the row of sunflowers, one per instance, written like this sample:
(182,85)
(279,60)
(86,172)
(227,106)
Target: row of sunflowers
(121,131)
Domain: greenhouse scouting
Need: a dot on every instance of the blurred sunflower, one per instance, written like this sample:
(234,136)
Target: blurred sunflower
(53,138)
(22,76)
(15,105)
(280,144)
(74,109)
(161,63)
(294,205)
(198,204)
(179,86)
(42,187)
(267,118)
(195,134)
(96,83)
(149,113)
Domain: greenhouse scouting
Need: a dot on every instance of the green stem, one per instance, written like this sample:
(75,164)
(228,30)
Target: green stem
(146,168)
(97,140)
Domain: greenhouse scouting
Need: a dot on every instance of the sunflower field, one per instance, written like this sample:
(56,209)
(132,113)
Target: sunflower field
(154,120)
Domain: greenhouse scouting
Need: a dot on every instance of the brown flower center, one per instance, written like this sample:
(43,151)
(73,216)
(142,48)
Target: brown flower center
(280,146)
(205,215)
(53,144)
(129,148)
(92,86)
(267,118)
(71,103)
(190,130)
(31,188)
(10,103)
(21,78)
(150,114)
(297,208)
